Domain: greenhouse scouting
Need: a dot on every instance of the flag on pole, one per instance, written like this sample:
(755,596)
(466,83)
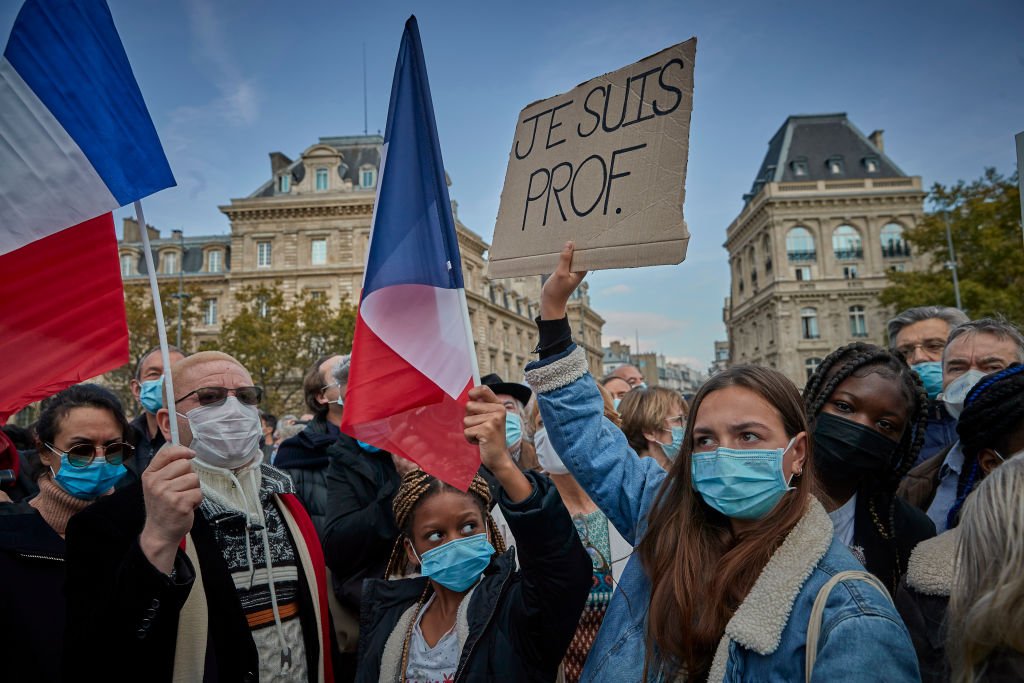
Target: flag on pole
(76,142)
(413,360)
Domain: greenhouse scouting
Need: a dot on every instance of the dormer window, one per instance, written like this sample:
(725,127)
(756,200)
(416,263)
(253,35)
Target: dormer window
(871,164)
(835,165)
(769,174)
(799,167)
(284,183)
(367,177)
(321,179)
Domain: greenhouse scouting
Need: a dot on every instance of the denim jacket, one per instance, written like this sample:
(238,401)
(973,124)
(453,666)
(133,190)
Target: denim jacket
(862,637)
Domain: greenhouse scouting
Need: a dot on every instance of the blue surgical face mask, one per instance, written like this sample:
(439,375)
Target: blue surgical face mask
(513,429)
(671,450)
(641,385)
(457,564)
(740,483)
(90,481)
(616,402)
(151,394)
(367,447)
(930,373)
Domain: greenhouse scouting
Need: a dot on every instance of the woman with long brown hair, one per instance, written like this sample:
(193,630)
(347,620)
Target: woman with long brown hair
(733,549)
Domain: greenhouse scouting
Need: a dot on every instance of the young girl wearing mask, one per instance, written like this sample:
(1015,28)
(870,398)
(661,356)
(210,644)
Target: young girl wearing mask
(81,438)
(733,549)
(470,614)
(868,412)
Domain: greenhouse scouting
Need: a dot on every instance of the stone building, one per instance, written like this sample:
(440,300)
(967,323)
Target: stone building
(307,229)
(821,226)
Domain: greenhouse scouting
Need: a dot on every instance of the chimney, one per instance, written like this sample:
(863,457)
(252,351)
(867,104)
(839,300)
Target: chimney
(131,230)
(877,141)
(278,162)
(176,235)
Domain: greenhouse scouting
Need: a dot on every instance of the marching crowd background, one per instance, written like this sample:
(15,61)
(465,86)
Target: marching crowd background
(868,526)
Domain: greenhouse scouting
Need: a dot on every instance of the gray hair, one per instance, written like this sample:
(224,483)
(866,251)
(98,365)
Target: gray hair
(952,316)
(999,328)
(340,372)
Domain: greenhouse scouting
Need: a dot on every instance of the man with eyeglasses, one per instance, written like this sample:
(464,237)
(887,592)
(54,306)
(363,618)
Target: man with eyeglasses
(919,335)
(211,568)
(147,388)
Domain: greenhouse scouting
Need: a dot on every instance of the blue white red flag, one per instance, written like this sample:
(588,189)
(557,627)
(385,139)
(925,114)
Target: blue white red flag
(413,360)
(76,142)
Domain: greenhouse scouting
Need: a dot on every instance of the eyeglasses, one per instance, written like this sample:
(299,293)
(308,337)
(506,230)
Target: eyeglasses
(933,347)
(328,386)
(82,454)
(212,396)
(676,420)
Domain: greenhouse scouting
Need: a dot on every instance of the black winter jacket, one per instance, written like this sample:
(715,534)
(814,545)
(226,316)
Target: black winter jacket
(519,622)
(304,457)
(31,596)
(360,530)
(113,590)
(887,558)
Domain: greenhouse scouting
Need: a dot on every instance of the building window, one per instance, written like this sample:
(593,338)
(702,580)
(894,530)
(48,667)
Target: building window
(262,306)
(171,262)
(317,295)
(214,261)
(894,245)
(846,243)
(284,183)
(835,165)
(803,273)
(898,267)
(127,265)
(810,365)
(318,252)
(800,244)
(799,167)
(209,312)
(263,254)
(367,177)
(858,322)
(871,164)
(809,323)
(766,249)
(850,272)
(321,179)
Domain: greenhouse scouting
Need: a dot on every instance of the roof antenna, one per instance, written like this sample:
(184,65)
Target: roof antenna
(365,126)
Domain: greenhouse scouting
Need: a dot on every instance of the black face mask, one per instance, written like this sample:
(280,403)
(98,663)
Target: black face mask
(845,450)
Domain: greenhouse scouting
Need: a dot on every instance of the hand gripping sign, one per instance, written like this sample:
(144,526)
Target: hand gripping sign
(604,165)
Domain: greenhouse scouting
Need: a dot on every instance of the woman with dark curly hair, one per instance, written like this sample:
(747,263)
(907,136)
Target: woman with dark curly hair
(868,412)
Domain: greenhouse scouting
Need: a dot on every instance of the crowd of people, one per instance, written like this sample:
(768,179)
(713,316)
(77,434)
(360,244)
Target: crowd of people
(868,526)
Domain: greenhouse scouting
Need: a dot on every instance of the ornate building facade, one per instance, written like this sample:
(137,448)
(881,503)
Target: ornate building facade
(307,229)
(821,226)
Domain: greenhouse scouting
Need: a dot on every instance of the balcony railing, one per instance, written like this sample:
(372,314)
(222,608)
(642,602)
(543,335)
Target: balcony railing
(799,256)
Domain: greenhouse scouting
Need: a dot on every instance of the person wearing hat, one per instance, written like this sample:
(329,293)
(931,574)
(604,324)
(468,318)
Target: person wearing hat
(515,397)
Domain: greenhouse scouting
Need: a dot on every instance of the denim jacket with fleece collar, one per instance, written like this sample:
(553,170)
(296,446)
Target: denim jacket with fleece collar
(862,637)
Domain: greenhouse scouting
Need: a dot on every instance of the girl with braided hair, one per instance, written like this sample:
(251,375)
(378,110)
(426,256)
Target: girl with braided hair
(991,429)
(465,612)
(868,412)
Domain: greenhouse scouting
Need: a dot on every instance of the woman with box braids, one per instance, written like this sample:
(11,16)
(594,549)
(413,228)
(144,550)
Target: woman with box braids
(868,411)
(993,414)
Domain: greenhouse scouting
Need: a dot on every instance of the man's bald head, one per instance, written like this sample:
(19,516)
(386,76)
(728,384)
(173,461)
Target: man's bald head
(188,373)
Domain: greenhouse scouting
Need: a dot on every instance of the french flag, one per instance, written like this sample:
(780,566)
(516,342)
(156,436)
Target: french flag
(413,360)
(76,142)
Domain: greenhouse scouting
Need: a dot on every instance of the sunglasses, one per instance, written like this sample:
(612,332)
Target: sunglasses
(212,396)
(82,454)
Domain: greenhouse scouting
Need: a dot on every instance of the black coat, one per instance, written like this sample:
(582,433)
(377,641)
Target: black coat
(304,457)
(114,593)
(925,618)
(360,530)
(520,622)
(31,596)
(887,558)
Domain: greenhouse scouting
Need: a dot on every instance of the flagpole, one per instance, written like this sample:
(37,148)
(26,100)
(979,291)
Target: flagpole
(469,336)
(161,329)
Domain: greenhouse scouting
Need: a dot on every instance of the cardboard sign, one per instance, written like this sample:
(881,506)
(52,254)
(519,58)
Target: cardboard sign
(604,165)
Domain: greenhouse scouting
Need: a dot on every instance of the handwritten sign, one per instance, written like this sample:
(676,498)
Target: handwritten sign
(604,165)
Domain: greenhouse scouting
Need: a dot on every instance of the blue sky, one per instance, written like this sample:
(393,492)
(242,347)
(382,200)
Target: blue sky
(227,82)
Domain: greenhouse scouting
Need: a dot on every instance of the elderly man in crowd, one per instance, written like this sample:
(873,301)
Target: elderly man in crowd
(919,336)
(631,374)
(148,389)
(211,569)
(974,349)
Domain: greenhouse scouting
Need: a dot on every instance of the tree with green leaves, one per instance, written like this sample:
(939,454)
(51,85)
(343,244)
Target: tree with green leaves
(984,221)
(278,338)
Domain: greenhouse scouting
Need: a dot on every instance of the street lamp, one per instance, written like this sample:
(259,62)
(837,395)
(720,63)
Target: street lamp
(951,263)
(181,285)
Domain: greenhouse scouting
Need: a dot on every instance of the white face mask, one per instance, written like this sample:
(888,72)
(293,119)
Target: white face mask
(225,435)
(549,459)
(955,394)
